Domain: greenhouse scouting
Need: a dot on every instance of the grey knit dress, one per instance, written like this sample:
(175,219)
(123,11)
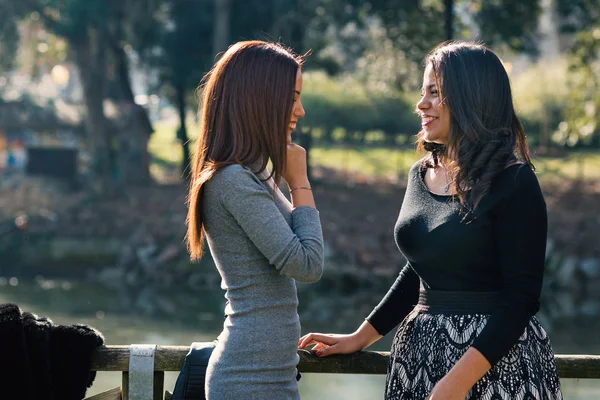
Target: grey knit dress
(261,247)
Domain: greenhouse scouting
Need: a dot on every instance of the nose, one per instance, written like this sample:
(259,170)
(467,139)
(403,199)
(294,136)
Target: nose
(423,103)
(299,110)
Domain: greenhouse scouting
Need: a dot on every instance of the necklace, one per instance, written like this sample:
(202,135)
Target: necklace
(447,187)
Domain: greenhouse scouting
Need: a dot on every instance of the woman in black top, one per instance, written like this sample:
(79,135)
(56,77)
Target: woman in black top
(473,228)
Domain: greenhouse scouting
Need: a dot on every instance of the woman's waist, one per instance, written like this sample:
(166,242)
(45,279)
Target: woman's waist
(459,302)
(267,337)
(261,321)
(282,308)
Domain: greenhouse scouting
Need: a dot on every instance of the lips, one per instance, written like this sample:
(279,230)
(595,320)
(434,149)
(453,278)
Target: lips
(426,120)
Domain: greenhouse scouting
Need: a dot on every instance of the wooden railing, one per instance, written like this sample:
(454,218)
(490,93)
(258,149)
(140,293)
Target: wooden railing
(170,358)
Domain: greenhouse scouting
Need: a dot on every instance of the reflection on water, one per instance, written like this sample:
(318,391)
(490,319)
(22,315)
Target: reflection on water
(188,317)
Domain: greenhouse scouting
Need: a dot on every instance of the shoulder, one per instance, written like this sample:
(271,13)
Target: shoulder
(232,170)
(416,168)
(233,181)
(518,182)
(518,174)
(234,175)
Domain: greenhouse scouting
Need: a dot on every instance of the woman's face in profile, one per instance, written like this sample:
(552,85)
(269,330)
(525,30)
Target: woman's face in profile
(435,117)
(297,109)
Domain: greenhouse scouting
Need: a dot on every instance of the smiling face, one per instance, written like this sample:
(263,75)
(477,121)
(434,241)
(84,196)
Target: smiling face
(297,109)
(435,116)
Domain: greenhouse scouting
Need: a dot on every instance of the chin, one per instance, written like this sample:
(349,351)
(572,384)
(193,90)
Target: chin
(432,138)
(428,136)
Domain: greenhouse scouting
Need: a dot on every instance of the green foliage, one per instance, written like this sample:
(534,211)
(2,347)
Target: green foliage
(407,20)
(343,102)
(540,98)
(185,42)
(72,18)
(387,40)
(499,21)
(11,12)
(382,67)
(9,39)
(582,114)
(508,21)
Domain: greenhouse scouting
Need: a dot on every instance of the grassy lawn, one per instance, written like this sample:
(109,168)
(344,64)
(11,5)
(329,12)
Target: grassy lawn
(370,161)
(394,162)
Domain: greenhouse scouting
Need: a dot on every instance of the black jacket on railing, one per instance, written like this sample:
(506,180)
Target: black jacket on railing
(40,360)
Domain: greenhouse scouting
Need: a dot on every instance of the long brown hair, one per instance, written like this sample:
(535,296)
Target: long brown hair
(485,132)
(245,109)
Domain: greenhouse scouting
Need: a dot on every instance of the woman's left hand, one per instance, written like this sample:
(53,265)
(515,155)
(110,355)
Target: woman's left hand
(446,389)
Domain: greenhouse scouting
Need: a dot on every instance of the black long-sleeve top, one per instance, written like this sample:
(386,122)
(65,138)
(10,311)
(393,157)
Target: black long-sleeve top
(500,247)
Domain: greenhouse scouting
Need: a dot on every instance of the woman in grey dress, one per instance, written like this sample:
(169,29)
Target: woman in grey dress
(261,243)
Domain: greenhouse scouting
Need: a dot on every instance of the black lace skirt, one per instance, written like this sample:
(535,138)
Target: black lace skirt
(427,345)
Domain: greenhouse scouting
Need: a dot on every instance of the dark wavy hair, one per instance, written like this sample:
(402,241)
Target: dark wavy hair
(246,104)
(485,133)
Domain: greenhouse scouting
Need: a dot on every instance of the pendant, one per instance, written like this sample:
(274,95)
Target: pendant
(446,188)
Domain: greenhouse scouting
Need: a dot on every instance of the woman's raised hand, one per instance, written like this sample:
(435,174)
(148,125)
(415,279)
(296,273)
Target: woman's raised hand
(295,172)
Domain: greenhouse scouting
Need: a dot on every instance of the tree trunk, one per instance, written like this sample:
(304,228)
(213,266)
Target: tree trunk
(182,132)
(449,18)
(221,33)
(134,125)
(90,55)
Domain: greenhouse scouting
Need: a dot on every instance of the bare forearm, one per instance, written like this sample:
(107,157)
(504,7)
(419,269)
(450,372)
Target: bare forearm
(366,335)
(301,194)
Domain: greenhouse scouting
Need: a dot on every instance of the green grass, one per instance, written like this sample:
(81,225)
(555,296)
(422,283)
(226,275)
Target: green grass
(372,161)
(166,154)
(557,168)
(396,162)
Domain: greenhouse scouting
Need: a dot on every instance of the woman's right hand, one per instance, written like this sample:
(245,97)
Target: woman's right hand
(295,172)
(327,344)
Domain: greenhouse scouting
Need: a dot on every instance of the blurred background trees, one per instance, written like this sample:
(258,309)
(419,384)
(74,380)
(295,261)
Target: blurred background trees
(103,95)
(132,57)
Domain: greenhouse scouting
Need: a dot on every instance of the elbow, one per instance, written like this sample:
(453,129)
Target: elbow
(313,274)
(525,306)
(304,265)
(313,260)
(316,277)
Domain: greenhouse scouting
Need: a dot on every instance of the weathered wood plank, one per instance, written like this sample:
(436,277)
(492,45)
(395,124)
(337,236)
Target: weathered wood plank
(116,358)
(581,366)
(113,394)
(170,358)
(366,362)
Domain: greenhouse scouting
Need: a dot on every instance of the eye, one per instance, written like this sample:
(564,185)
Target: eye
(434,93)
